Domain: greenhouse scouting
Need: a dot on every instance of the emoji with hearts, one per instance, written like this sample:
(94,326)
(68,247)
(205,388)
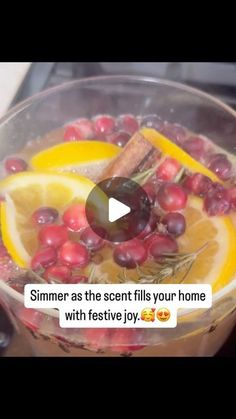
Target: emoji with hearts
(148,314)
(163,314)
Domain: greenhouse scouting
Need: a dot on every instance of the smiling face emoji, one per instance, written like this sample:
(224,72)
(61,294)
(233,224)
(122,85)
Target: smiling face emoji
(163,314)
(148,314)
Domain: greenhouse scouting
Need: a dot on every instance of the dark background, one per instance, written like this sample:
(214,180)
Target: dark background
(218,78)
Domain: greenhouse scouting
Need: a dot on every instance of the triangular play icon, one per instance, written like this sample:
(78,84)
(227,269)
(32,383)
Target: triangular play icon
(117,210)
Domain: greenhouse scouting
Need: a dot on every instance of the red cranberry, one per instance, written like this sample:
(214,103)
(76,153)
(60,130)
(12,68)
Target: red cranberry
(195,147)
(75,217)
(15,165)
(74,254)
(104,125)
(232,195)
(168,169)
(72,133)
(216,187)
(45,215)
(152,121)
(142,228)
(221,166)
(175,223)
(43,258)
(130,254)
(53,235)
(86,127)
(173,132)
(61,273)
(92,240)
(119,138)
(197,184)
(158,244)
(217,201)
(171,197)
(128,123)
(78,279)
(126,340)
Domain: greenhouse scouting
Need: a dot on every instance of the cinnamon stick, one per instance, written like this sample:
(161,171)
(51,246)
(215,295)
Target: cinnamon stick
(138,153)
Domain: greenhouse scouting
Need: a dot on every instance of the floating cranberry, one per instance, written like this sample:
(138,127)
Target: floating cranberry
(217,201)
(53,235)
(171,197)
(197,184)
(72,133)
(92,240)
(195,147)
(74,254)
(119,138)
(126,340)
(130,254)
(104,125)
(15,165)
(158,244)
(75,217)
(220,165)
(168,169)
(232,195)
(175,133)
(142,228)
(45,215)
(43,258)
(86,128)
(61,273)
(216,187)
(128,123)
(175,223)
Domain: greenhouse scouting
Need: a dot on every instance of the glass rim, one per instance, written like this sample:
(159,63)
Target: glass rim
(116,78)
(11,113)
(180,313)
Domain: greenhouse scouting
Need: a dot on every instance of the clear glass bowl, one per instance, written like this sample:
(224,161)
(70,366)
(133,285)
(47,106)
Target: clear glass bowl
(199,332)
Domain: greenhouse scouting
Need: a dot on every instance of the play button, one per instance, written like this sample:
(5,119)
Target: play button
(118,209)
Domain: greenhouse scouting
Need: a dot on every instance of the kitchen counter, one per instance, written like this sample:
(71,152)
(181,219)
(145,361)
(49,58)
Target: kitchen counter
(11,77)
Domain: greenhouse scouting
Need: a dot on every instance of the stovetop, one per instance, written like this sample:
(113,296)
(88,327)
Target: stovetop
(217,78)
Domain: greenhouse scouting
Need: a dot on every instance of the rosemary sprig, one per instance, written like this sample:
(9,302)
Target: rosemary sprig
(179,175)
(172,263)
(91,275)
(142,177)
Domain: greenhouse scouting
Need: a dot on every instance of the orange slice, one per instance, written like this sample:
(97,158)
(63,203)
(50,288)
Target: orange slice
(27,191)
(171,149)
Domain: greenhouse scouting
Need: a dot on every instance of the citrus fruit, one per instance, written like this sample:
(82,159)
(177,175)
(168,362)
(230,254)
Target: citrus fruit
(171,149)
(216,263)
(82,156)
(26,192)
